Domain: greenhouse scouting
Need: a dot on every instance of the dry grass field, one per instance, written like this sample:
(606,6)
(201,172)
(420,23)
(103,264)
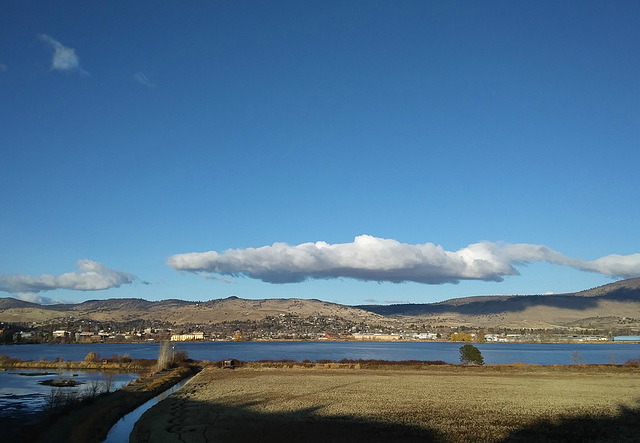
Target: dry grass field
(447,403)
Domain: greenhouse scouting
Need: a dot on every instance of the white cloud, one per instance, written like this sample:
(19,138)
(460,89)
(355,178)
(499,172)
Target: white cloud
(36,298)
(91,276)
(378,259)
(143,80)
(64,59)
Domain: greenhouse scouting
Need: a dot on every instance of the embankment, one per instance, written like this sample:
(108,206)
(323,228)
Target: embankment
(90,421)
(137,365)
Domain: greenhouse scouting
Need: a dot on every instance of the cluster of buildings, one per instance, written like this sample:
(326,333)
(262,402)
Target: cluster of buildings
(283,327)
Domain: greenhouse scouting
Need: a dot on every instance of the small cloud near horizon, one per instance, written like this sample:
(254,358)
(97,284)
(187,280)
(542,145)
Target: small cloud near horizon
(91,276)
(370,258)
(39,299)
(64,58)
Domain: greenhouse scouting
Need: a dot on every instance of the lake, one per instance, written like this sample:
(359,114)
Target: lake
(493,353)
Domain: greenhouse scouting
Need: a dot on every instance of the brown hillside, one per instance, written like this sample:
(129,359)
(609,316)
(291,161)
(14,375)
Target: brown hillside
(182,312)
(613,302)
(602,307)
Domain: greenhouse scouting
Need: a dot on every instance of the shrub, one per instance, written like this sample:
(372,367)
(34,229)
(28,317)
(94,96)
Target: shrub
(180,356)
(460,336)
(469,354)
(92,357)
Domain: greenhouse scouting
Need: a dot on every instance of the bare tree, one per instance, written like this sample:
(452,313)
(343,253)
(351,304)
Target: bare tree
(108,381)
(164,356)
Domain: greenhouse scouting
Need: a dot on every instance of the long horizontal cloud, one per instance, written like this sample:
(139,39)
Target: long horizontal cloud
(90,276)
(378,259)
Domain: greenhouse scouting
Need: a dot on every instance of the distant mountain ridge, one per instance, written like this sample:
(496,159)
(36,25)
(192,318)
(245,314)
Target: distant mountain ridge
(588,308)
(625,290)
(178,311)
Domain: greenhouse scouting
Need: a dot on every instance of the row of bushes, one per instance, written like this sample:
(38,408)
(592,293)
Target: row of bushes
(333,364)
(135,365)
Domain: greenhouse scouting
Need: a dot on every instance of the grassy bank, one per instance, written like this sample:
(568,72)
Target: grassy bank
(137,365)
(355,401)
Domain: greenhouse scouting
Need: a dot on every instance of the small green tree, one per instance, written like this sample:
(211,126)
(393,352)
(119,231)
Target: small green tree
(469,354)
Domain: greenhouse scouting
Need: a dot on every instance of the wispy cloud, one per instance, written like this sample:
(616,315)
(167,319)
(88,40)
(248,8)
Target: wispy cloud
(379,259)
(37,298)
(143,80)
(90,276)
(64,59)
(215,277)
(3,67)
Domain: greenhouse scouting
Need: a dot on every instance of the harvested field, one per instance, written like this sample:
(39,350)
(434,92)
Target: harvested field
(445,403)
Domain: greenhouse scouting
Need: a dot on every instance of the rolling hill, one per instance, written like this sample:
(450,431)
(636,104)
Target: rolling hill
(179,312)
(602,307)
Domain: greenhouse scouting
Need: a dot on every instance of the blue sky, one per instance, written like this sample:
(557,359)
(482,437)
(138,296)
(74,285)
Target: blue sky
(355,152)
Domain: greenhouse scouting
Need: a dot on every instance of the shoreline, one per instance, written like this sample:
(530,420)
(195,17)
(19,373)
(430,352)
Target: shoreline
(14,363)
(339,340)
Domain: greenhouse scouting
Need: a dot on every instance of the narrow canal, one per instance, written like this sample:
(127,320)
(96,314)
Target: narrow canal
(122,429)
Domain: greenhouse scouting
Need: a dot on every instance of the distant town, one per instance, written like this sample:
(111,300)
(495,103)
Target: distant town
(285,327)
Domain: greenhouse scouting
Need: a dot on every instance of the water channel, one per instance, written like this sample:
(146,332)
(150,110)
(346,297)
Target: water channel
(122,429)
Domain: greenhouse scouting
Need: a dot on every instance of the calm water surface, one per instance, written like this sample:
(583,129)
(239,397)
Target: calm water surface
(493,353)
(23,398)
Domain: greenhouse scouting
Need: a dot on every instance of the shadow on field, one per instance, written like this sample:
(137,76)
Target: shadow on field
(192,421)
(624,427)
